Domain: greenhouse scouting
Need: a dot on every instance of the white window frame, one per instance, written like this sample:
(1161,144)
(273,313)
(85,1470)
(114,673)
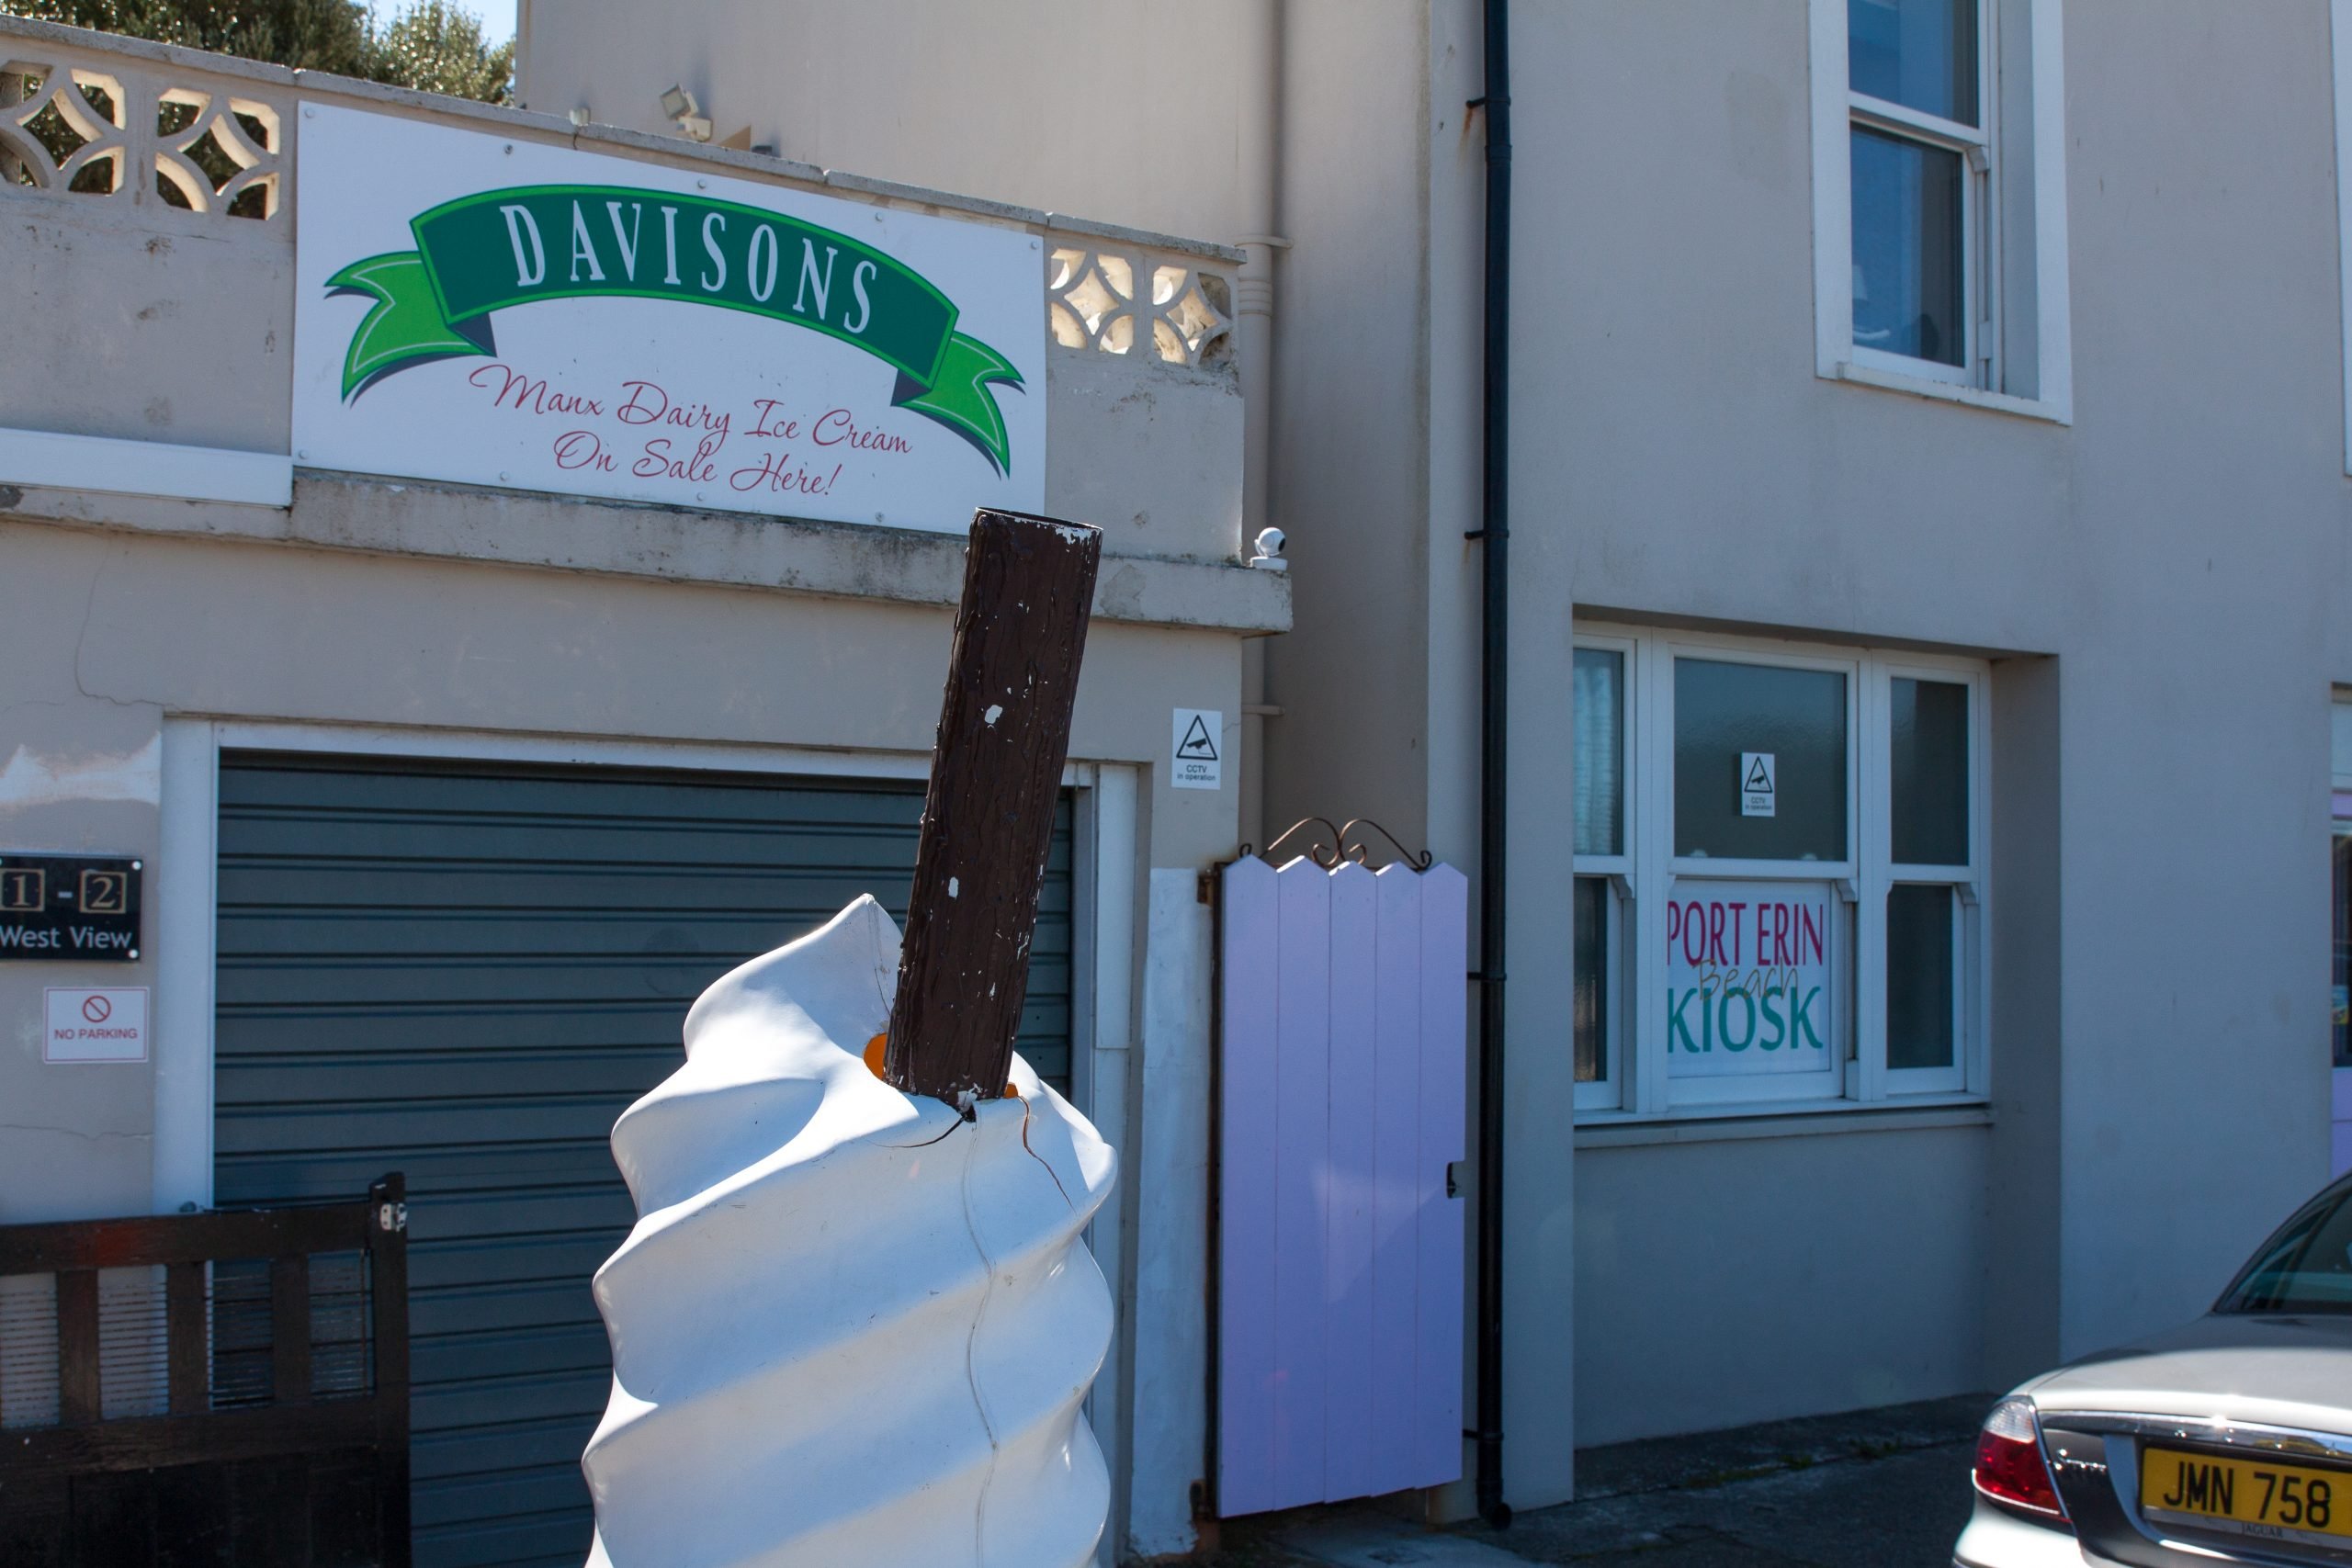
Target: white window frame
(1663,1090)
(2339,710)
(1979,219)
(1883,874)
(1609,1091)
(2340,45)
(1639,1086)
(2019,358)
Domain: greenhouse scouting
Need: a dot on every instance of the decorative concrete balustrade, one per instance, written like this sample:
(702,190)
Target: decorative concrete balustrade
(72,123)
(75,123)
(150,192)
(146,125)
(1096,304)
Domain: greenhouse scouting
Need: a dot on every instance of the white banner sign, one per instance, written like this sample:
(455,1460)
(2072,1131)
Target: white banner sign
(498,312)
(1750,978)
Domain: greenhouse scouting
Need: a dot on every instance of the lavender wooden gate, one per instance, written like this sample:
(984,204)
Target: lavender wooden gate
(1340,1249)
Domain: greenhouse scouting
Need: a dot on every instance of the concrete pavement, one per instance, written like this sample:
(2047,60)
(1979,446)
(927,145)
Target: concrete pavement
(1872,1489)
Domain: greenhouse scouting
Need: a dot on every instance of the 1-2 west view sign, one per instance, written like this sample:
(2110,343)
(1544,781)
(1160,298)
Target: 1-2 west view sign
(69,908)
(508,313)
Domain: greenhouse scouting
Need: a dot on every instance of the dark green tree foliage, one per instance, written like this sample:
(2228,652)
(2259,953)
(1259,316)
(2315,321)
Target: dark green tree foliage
(316,35)
(439,46)
(430,44)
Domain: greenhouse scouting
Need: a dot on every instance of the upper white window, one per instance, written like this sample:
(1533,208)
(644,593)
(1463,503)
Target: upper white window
(1939,199)
(2340,37)
(1780,881)
(1920,168)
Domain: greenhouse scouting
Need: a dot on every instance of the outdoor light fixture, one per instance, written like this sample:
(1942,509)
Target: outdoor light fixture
(686,114)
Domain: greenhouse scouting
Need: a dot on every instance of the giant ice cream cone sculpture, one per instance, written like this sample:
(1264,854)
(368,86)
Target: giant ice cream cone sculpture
(851,1328)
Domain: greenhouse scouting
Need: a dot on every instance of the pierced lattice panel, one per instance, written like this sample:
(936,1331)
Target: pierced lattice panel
(75,127)
(1112,302)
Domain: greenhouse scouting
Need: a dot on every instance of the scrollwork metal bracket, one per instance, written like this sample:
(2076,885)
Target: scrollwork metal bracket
(1359,850)
(1325,855)
(1332,846)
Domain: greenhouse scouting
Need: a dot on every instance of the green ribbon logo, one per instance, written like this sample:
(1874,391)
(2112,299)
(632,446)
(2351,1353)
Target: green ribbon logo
(503,248)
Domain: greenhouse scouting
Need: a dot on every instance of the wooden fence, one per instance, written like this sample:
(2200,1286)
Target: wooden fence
(221,1388)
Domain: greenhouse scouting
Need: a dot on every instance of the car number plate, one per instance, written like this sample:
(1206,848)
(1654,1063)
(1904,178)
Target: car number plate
(2255,1497)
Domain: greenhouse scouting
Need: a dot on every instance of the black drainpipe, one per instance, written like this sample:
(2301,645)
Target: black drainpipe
(1494,753)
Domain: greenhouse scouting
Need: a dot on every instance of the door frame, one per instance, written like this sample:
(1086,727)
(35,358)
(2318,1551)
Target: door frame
(187,868)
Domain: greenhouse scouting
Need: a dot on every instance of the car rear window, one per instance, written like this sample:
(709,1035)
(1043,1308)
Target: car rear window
(2307,1267)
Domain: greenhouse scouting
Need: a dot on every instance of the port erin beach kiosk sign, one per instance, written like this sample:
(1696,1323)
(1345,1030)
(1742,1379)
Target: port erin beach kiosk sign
(1751,982)
(502,312)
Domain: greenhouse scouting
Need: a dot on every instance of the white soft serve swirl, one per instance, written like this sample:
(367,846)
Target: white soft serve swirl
(849,1327)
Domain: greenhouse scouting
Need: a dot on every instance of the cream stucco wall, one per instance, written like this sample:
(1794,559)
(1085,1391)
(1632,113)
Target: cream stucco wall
(1716,1254)
(1125,112)
(445,619)
(113,634)
(117,634)
(2158,585)
(2179,551)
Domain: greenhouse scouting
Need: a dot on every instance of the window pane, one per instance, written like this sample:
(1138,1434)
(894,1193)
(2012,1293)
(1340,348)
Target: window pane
(1929,736)
(1909,296)
(1752,986)
(1592,978)
(1918,53)
(2301,1269)
(1919,978)
(1601,751)
(2342,1010)
(1728,716)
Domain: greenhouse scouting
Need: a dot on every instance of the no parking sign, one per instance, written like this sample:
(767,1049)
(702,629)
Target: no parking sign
(105,1025)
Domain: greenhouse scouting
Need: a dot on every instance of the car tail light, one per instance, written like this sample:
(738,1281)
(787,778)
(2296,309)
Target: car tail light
(2010,1467)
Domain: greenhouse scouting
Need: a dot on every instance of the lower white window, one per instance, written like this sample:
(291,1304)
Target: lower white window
(1780,894)
(2340,863)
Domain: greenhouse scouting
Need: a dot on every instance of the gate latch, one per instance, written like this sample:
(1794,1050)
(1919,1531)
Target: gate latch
(391,1216)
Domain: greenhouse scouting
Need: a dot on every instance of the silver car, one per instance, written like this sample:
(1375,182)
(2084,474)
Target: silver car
(2227,1440)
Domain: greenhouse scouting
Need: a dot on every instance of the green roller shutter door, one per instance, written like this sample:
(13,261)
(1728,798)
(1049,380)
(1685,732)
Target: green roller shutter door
(465,971)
